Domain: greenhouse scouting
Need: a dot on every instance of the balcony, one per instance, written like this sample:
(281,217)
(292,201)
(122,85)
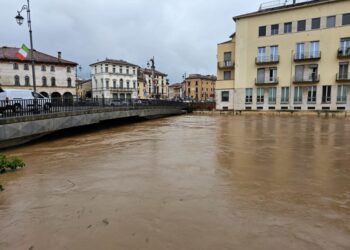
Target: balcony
(121,90)
(307,56)
(313,78)
(344,53)
(226,65)
(267,60)
(267,81)
(343,77)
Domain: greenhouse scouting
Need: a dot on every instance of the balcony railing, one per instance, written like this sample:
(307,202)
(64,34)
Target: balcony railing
(118,90)
(267,81)
(226,65)
(307,56)
(313,78)
(344,53)
(345,77)
(264,60)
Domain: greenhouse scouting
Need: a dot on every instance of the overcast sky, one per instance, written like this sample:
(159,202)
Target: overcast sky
(181,34)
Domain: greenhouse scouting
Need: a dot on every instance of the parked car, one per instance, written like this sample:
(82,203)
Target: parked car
(16,100)
(119,103)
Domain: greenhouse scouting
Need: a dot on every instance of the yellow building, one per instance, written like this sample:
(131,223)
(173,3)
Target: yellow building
(200,87)
(225,74)
(145,88)
(293,55)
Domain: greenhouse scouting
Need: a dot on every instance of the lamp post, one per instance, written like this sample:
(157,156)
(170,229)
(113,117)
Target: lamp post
(153,69)
(183,85)
(20,20)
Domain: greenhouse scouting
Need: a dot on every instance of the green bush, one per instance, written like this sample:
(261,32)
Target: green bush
(10,163)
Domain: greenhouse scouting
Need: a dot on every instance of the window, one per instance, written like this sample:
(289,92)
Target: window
(273,75)
(274,55)
(227,75)
(261,54)
(343,71)
(285,95)
(127,70)
(128,84)
(43,68)
(346,19)
(313,72)
(342,94)
(53,81)
(121,70)
(121,83)
(225,96)
(300,50)
(287,27)
(272,95)
(311,95)
(106,68)
(52,68)
(107,84)
(248,96)
(17,82)
(44,81)
(260,95)
(262,31)
(102,83)
(315,23)
(114,84)
(261,76)
(69,82)
(302,25)
(344,47)
(331,21)
(69,69)
(274,29)
(298,95)
(15,66)
(26,67)
(326,94)
(227,59)
(113,68)
(315,49)
(27,81)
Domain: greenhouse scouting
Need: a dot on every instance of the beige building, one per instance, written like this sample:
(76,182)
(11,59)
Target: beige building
(84,88)
(292,56)
(55,77)
(200,87)
(146,88)
(175,91)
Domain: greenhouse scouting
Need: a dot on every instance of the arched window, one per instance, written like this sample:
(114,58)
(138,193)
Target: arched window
(17,83)
(114,84)
(53,82)
(44,81)
(69,82)
(27,81)
(128,84)
(121,83)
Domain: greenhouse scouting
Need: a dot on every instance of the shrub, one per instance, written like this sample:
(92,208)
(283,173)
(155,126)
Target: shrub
(10,163)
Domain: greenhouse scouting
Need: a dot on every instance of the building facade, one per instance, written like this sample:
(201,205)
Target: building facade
(55,77)
(293,56)
(200,87)
(84,88)
(147,89)
(175,91)
(225,74)
(115,79)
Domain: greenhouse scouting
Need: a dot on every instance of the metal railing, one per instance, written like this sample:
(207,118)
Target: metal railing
(41,106)
(267,81)
(312,78)
(343,77)
(272,59)
(312,55)
(344,53)
(226,65)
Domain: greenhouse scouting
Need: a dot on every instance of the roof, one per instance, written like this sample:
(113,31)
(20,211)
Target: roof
(9,54)
(149,72)
(113,61)
(175,85)
(201,77)
(285,7)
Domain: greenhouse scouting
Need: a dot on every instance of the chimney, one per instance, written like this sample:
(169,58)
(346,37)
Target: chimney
(59,55)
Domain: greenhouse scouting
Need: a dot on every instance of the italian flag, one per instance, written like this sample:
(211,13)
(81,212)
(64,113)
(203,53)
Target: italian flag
(22,53)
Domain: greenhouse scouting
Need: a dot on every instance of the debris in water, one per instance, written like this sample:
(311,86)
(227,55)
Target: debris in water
(105,221)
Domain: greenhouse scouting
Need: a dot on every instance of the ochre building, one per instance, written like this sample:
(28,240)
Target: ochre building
(200,87)
(292,56)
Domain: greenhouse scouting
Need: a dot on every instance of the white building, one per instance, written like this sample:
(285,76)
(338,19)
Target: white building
(115,79)
(160,85)
(55,77)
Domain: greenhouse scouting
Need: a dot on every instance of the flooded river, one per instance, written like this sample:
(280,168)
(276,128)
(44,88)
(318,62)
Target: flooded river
(188,182)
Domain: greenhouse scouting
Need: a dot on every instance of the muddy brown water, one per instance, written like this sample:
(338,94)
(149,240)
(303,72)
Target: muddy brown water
(187,182)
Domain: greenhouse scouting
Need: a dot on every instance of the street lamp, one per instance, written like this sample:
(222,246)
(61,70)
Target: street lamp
(153,69)
(183,85)
(20,20)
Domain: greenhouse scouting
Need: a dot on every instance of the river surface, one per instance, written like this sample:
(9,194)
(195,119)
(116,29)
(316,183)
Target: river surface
(186,182)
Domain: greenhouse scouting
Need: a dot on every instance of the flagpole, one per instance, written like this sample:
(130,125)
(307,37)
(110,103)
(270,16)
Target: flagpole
(31,47)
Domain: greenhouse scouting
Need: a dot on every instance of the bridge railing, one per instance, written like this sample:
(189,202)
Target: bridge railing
(40,106)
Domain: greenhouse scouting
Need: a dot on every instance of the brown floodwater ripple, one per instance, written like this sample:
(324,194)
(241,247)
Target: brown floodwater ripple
(187,182)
